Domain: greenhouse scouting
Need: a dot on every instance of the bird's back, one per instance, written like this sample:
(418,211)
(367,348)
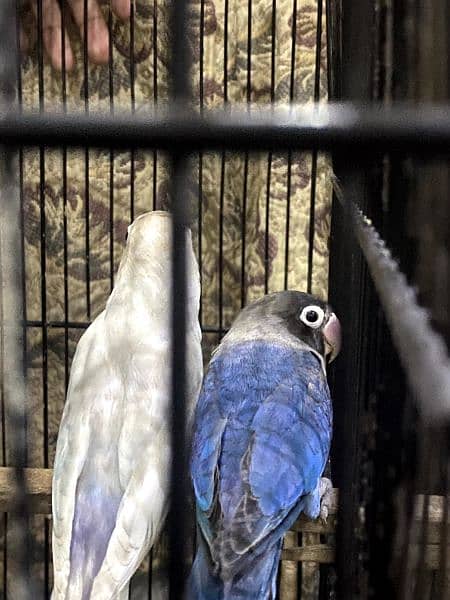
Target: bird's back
(262,435)
(113,453)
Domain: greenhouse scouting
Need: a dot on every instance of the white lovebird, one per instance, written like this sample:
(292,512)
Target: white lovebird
(112,466)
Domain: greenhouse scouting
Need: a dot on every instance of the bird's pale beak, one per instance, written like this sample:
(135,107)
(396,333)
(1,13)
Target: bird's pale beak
(332,336)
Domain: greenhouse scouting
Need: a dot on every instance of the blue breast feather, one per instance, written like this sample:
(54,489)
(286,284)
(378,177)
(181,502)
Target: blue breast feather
(261,441)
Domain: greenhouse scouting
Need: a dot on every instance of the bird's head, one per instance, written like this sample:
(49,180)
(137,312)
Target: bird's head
(150,233)
(315,323)
(146,265)
(298,314)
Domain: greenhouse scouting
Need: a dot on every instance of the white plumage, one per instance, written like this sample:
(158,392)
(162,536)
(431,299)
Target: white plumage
(112,464)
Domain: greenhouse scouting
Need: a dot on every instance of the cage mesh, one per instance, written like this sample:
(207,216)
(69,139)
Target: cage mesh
(260,221)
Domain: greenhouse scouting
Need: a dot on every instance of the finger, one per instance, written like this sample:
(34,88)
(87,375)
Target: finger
(52,34)
(122,8)
(97,34)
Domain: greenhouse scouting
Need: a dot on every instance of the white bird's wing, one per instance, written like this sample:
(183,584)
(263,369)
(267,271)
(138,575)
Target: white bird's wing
(139,521)
(73,445)
(70,456)
(145,502)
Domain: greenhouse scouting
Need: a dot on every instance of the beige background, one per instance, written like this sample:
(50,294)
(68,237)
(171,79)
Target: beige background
(47,207)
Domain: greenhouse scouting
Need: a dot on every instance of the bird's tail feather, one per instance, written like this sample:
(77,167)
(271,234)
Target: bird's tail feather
(202,583)
(124,594)
(93,523)
(256,577)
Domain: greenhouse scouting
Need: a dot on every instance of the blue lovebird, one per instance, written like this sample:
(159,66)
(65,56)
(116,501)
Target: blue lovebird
(262,436)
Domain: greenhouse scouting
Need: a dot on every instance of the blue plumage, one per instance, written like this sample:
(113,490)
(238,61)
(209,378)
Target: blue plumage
(261,441)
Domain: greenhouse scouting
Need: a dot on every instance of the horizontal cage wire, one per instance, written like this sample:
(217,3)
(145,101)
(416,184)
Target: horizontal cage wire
(342,127)
(260,223)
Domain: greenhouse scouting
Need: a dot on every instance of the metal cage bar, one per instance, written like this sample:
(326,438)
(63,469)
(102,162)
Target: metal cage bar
(367,130)
(409,323)
(12,382)
(178,519)
(346,127)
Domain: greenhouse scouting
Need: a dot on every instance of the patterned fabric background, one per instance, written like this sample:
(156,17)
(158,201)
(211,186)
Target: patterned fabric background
(103,195)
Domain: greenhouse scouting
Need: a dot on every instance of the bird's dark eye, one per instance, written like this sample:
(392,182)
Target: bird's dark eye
(312,316)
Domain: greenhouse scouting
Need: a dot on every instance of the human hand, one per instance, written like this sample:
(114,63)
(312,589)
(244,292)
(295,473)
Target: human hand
(98,34)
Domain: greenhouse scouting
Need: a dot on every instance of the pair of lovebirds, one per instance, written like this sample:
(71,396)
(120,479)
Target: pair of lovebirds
(261,423)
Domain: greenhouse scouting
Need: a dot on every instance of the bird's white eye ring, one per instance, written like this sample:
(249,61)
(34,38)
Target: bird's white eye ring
(312,316)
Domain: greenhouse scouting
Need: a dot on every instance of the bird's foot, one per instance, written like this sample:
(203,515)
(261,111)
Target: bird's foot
(325,493)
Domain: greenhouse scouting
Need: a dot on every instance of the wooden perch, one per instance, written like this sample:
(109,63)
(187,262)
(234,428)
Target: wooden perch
(320,553)
(38,486)
(39,496)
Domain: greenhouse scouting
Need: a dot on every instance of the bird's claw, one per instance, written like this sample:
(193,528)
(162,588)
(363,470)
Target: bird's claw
(325,491)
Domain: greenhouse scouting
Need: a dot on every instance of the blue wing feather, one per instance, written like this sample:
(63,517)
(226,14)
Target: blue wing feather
(290,447)
(262,437)
(206,442)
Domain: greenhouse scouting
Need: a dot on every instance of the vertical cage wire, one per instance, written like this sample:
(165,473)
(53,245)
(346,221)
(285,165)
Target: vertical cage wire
(270,154)
(22,309)
(150,578)
(221,217)
(86,156)
(312,204)
(223,177)
(155,95)
(246,160)
(178,518)
(111,152)
(43,259)
(443,584)
(133,105)
(64,193)
(423,476)
(289,156)
(200,155)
